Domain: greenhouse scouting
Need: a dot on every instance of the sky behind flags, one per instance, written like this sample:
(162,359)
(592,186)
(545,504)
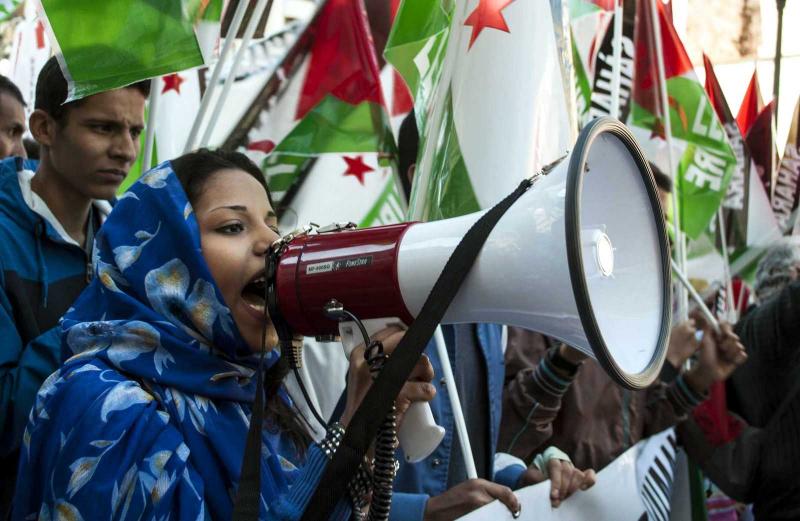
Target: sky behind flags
(106,45)
(462,64)
(705,161)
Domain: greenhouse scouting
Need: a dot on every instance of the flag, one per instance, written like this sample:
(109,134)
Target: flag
(752,105)
(8,8)
(178,106)
(107,45)
(760,139)
(604,68)
(324,139)
(705,161)
(207,18)
(749,220)
(30,50)
(488,94)
(588,24)
(786,194)
(735,203)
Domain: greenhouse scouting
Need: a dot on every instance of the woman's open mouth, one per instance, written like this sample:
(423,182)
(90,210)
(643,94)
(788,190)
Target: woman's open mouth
(253,295)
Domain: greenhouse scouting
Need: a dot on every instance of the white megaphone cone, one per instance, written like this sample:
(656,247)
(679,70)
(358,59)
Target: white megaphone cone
(582,257)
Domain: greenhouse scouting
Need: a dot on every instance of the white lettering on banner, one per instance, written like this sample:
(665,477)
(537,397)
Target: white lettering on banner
(706,170)
(783,198)
(734,198)
(601,95)
(712,130)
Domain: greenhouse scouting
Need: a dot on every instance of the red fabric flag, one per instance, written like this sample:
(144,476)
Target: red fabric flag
(341,40)
(760,140)
(676,60)
(752,105)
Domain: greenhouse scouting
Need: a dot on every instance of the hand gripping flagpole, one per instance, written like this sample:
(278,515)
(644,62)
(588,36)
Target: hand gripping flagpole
(616,65)
(683,299)
(255,18)
(455,404)
(233,30)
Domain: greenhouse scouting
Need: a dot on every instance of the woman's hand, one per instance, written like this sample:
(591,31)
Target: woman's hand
(417,387)
(468,496)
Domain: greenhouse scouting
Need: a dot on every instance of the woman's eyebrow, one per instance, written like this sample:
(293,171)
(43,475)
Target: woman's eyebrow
(235,207)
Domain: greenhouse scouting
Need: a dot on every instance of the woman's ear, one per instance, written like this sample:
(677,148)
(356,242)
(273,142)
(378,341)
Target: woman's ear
(43,127)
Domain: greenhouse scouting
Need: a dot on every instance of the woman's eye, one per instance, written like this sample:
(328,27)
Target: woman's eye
(231,229)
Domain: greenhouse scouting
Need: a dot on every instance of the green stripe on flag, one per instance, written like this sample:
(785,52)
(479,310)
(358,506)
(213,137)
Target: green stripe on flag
(336,126)
(449,191)
(107,45)
(419,23)
(388,208)
(583,88)
(579,8)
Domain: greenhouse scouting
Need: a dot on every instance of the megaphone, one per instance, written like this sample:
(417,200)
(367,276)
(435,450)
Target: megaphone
(582,257)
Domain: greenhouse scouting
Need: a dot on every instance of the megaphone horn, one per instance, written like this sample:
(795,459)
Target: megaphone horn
(582,257)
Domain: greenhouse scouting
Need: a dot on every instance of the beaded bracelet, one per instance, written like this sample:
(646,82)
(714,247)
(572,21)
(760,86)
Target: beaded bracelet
(333,437)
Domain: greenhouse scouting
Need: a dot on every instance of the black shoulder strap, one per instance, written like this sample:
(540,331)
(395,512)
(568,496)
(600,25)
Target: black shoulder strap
(378,401)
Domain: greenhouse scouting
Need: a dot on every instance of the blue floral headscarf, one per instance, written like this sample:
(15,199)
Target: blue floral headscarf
(148,416)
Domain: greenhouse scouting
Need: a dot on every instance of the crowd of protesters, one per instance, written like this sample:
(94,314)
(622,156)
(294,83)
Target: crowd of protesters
(131,329)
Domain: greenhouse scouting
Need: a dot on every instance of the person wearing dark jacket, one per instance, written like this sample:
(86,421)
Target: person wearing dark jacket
(49,213)
(555,397)
(770,332)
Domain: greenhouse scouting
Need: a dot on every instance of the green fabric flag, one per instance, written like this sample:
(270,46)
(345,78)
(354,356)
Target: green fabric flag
(107,45)
(461,61)
(704,159)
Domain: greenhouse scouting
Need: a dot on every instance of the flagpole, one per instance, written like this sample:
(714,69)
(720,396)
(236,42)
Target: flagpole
(616,66)
(455,404)
(437,111)
(776,79)
(233,30)
(150,134)
(726,269)
(255,18)
(680,245)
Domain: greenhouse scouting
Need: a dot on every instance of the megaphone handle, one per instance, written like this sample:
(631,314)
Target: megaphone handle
(418,435)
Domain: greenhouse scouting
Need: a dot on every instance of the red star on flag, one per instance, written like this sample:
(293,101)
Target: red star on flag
(356,167)
(487,14)
(172,82)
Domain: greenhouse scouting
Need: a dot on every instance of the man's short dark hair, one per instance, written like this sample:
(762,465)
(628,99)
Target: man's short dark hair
(8,87)
(662,180)
(51,90)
